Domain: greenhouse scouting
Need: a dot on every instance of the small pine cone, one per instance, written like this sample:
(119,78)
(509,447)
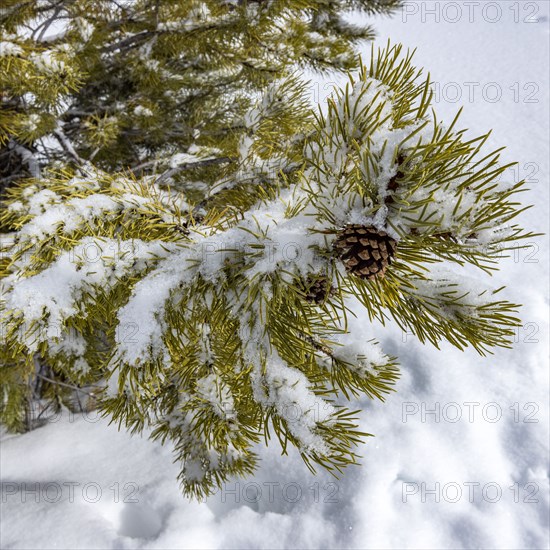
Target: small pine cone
(365,251)
(317,290)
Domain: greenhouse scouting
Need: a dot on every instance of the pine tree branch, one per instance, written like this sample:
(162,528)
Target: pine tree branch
(65,385)
(201,323)
(189,165)
(67,145)
(28,158)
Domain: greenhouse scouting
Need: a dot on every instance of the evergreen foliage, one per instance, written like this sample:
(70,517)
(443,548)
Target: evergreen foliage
(130,84)
(181,265)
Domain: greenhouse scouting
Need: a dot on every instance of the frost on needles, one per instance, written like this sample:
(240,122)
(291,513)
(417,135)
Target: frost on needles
(220,322)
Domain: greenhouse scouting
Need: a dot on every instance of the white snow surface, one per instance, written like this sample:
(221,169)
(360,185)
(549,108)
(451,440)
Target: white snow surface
(460,455)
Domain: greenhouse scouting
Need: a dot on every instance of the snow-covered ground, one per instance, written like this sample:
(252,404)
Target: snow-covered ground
(460,458)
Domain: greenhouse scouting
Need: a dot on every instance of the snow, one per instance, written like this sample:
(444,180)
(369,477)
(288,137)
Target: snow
(47,63)
(71,216)
(182,158)
(212,389)
(146,305)
(194,20)
(49,297)
(32,123)
(10,49)
(284,244)
(142,111)
(360,354)
(85,28)
(288,392)
(460,453)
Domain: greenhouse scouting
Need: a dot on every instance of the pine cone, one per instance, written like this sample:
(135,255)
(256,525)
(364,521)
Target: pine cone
(365,251)
(317,290)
